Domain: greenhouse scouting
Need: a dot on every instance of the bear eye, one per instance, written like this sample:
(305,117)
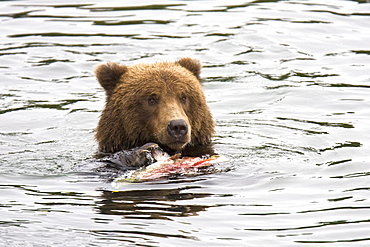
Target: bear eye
(152,100)
(183,99)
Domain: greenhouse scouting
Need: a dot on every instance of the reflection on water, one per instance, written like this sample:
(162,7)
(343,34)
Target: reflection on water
(150,204)
(286,81)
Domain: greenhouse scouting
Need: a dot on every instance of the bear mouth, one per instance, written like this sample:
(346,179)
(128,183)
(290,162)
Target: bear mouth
(176,145)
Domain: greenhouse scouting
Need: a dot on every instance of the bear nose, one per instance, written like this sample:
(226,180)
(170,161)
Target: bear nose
(177,128)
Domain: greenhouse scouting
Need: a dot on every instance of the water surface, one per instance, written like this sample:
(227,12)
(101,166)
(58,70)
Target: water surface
(287,82)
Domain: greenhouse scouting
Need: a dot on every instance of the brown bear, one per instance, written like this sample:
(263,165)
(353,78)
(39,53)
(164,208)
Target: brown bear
(159,102)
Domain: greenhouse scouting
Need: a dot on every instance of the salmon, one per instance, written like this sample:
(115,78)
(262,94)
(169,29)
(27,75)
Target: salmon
(169,167)
(153,163)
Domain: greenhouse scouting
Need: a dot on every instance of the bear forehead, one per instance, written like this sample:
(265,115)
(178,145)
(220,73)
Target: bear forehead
(158,77)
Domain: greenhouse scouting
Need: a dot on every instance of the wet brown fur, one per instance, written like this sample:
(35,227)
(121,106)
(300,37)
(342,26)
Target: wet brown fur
(142,99)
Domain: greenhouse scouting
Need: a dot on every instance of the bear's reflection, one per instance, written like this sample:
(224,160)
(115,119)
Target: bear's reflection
(151,204)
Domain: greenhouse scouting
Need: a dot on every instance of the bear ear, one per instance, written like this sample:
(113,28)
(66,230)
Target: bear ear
(109,75)
(193,65)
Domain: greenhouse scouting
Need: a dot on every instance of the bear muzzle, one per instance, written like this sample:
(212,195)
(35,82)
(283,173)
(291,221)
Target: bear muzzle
(179,134)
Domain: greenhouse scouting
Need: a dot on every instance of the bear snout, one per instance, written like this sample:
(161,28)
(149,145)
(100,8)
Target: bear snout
(177,128)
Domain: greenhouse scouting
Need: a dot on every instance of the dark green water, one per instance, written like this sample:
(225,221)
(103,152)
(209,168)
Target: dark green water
(288,83)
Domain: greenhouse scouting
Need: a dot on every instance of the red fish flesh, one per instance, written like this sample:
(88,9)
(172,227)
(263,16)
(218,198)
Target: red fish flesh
(167,167)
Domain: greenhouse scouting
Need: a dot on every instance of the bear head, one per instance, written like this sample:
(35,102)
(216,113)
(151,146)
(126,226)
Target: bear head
(160,102)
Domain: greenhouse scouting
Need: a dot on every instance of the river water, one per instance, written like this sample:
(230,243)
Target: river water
(288,83)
